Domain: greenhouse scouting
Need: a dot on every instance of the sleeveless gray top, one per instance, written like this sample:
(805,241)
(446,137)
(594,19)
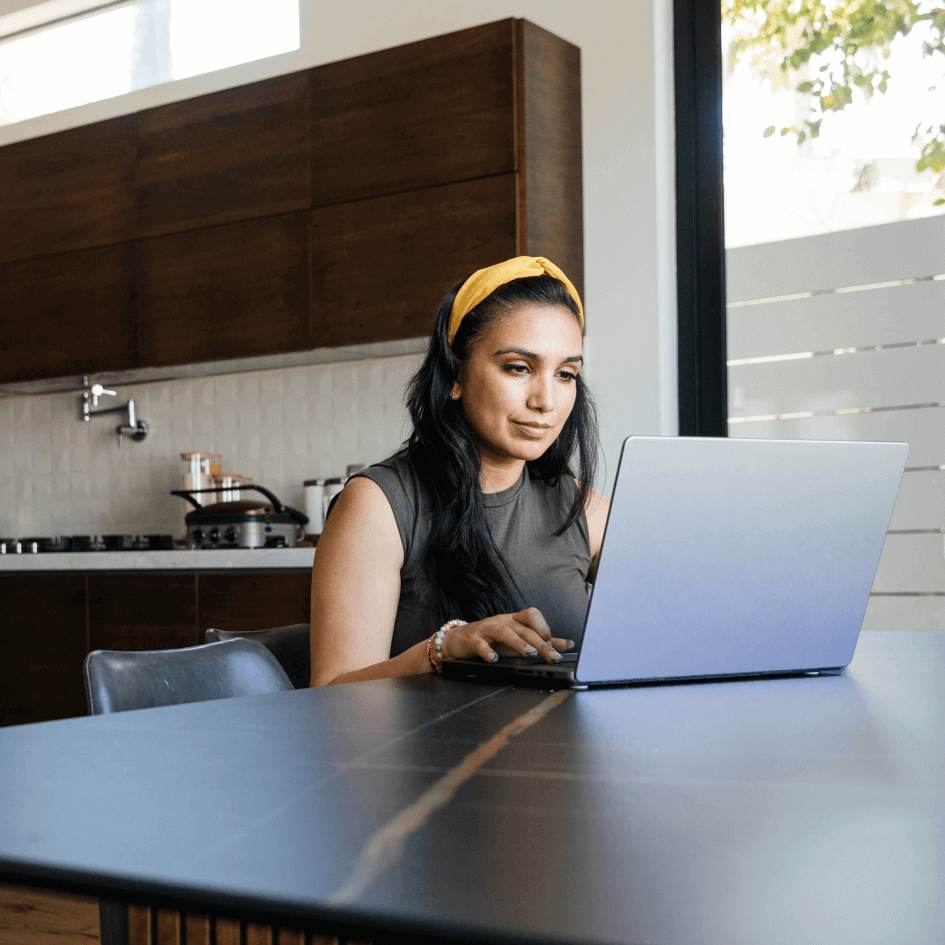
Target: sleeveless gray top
(550,571)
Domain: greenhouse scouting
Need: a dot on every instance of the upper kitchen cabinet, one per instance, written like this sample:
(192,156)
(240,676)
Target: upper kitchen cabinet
(432,112)
(223,157)
(68,314)
(225,291)
(381,267)
(329,207)
(68,191)
(504,98)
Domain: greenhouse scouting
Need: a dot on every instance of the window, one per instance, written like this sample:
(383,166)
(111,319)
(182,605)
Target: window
(134,46)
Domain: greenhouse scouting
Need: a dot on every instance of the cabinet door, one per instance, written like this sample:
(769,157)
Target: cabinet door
(382,266)
(69,190)
(42,646)
(254,600)
(142,611)
(420,115)
(68,314)
(232,155)
(229,291)
(551,172)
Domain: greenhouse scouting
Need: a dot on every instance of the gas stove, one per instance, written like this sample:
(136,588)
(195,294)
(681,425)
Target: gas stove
(65,543)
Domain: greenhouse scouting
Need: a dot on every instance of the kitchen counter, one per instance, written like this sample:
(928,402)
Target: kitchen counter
(229,559)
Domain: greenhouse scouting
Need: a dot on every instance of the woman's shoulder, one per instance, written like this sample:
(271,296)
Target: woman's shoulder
(397,479)
(396,476)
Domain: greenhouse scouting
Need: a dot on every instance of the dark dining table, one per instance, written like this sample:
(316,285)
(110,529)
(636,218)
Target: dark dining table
(790,809)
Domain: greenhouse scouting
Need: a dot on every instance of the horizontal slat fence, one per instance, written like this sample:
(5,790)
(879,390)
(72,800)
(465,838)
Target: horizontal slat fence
(865,311)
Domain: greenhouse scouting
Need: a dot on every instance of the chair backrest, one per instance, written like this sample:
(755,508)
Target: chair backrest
(290,645)
(117,681)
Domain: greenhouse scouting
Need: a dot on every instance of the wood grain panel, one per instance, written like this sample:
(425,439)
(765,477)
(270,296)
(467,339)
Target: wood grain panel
(419,115)
(197,930)
(229,291)
(257,934)
(39,917)
(226,931)
(240,602)
(69,190)
(232,155)
(551,194)
(381,267)
(68,314)
(169,926)
(142,611)
(140,925)
(42,646)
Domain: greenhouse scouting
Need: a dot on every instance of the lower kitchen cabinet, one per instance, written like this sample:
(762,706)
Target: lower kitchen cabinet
(42,646)
(52,621)
(142,611)
(241,602)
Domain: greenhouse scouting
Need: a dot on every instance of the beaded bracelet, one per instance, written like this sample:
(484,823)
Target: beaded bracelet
(435,644)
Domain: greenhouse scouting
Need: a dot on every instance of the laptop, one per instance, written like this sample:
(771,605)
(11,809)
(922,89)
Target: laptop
(727,558)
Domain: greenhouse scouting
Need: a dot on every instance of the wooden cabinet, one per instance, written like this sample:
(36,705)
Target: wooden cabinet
(238,289)
(419,244)
(42,646)
(332,206)
(52,621)
(68,314)
(433,112)
(142,611)
(69,190)
(229,156)
(241,602)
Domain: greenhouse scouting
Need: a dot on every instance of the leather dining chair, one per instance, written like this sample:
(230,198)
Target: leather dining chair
(118,681)
(289,645)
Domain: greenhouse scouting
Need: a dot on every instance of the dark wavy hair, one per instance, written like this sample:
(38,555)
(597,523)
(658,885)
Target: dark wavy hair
(465,573)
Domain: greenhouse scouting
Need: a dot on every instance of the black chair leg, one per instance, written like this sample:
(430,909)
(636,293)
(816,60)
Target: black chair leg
(113,921)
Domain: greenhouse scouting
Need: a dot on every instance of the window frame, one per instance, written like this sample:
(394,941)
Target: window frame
(700,238)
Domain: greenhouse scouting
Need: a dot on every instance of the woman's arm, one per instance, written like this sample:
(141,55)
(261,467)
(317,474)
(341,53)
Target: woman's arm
(355,589)
(597,510)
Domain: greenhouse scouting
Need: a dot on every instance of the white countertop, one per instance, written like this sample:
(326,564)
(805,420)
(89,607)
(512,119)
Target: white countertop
(268,559)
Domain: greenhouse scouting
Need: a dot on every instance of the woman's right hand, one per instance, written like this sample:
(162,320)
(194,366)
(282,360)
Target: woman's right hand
(523,634)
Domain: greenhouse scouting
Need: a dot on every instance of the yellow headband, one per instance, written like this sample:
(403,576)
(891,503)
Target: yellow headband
(484,282)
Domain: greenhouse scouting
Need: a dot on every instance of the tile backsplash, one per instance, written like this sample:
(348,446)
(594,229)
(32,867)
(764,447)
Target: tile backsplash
(62,476)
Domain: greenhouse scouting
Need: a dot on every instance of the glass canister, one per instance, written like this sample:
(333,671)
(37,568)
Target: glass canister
(332,488)
(315,505)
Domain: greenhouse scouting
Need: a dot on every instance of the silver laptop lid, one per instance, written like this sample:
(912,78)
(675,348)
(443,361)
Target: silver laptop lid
(730,556)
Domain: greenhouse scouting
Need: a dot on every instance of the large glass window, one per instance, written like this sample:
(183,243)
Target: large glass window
(834,157)
(135,46)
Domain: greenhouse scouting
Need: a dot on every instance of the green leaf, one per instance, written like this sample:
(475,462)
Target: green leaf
(805,87)
(769,131)
(939,202)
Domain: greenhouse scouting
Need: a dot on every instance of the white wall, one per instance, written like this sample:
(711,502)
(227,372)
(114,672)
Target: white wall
(628,168)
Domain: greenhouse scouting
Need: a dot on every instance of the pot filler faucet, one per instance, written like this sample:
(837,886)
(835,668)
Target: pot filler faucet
(135,428)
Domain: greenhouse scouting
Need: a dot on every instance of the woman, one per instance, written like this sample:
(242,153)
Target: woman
(475,539)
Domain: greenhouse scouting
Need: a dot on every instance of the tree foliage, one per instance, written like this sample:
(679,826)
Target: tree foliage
(851,42)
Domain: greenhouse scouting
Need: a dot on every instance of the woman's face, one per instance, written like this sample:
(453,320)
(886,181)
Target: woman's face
(518,385)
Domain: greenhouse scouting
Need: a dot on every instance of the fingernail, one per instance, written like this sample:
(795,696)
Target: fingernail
(570,644)
(494,657)
(556,656)
(530,650)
